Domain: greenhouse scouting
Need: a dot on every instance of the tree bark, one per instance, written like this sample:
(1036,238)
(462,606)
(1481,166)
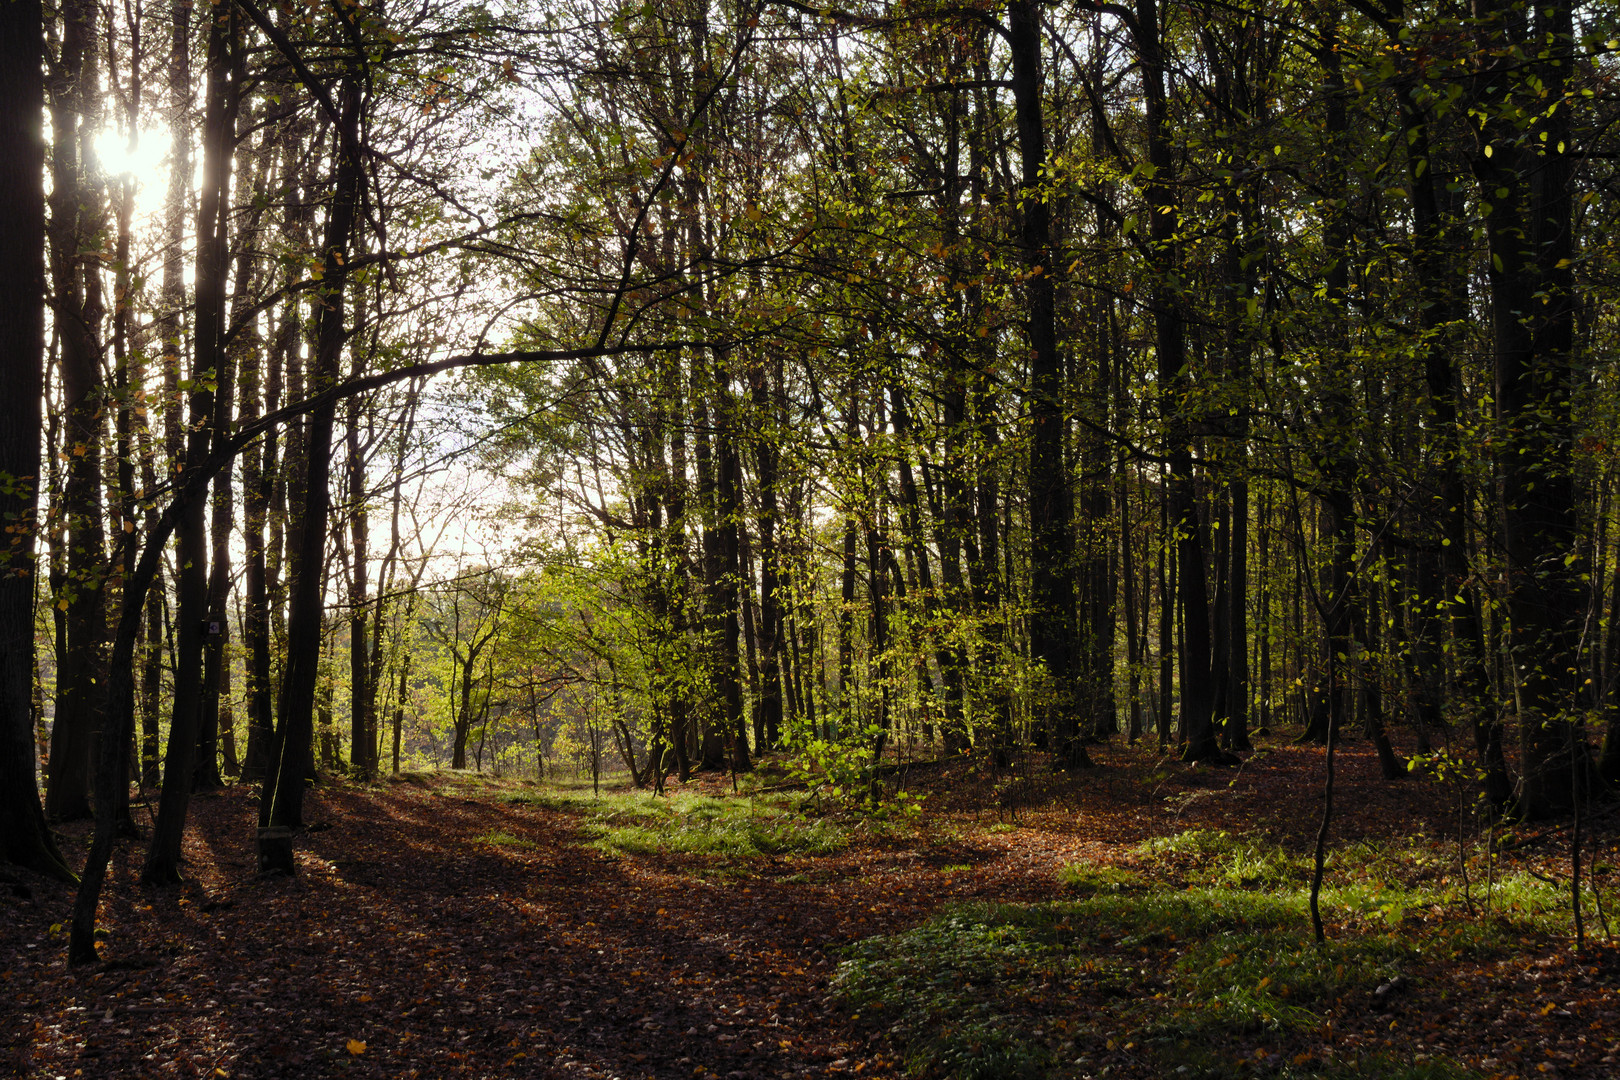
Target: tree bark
(1051,619)
(163,855)
(281,805)
(75,225)
(1528,231)
(24,838)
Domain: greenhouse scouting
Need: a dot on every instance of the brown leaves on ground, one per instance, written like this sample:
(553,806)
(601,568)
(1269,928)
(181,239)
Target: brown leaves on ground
(435,930)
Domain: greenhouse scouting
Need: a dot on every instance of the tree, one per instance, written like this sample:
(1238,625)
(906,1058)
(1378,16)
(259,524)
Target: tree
(1523,167)
(27,841)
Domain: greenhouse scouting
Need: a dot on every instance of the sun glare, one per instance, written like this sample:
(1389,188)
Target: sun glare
(144,161)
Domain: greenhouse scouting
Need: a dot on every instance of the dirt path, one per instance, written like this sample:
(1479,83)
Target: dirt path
(519,954)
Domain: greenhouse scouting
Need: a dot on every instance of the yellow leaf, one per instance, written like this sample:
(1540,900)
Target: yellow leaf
(356,1047)
(364,998)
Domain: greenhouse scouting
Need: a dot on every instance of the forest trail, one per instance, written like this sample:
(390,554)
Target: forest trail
(469,936)
(447,927)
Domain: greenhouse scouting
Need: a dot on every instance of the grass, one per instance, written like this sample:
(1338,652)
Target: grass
(976,992)
(940,988)
(1086,878)
(1200,954)
(637,823)
(501,838)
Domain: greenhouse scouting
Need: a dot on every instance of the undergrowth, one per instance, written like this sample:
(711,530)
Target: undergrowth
(1200,955)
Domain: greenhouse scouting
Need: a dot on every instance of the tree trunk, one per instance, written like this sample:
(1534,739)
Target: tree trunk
(75,242)
(191,555)
(1531,281)
(24,838)
(1051,619)
(281,805)
(766,460)
(1171,348)
(728,507)
(362,690)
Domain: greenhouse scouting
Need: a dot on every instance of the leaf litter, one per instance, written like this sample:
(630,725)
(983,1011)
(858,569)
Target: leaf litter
(443,928)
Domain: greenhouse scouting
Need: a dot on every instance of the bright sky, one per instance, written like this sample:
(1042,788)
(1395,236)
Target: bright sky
(145,161)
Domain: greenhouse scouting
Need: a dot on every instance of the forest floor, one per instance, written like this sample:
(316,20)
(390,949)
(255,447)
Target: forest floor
(1142,919)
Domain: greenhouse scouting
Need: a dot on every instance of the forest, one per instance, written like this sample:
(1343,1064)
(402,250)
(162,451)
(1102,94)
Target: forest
(870,403)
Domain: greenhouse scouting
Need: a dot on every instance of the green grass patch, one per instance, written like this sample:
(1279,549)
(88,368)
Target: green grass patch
(942,988)
(1194,973)
(1087,878)
(1393,884)
(1229,859)
(702,825)
(638,823)
(501,838)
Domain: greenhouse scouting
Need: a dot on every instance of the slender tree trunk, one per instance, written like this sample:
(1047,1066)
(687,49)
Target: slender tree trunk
(180,760)
(224,358)
(1051,622)
(404,684)
(846,612)
(1167,616)
(712,751)
(728,510)
(749,622)
(768,469)
(362,691)
(1170,345)
(281,805)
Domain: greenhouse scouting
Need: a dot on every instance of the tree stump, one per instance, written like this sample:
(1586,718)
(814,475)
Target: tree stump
(276,851)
